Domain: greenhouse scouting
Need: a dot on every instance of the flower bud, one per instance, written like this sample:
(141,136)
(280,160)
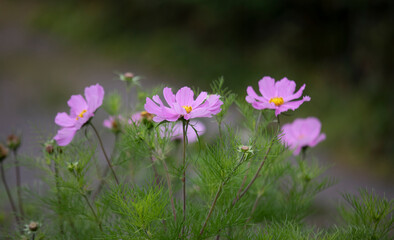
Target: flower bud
(33,226)
(3,152)
(245,149)
(13,141)
(129,78)
(72,166)
(49,149)
(128,75)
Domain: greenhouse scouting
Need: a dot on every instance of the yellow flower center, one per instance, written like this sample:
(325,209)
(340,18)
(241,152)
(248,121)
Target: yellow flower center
(81,114)
(187,108)
(277,100)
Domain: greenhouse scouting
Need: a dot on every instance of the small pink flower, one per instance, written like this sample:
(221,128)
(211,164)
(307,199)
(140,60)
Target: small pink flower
(177,131)
(276,95)
(302,133)
(113,123)
(183,105)
(139,116)
(81,111)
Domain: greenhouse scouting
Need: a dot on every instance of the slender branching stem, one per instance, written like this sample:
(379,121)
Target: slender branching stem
(212,207)
(105,154)
(12,203)
(220,129)
(56,170)
(258,196)
(18,182)
(220,190)
(253,209)
(185,125)
(170,189)
(157,176)
(250,163)
(92,209)
(82,192)
(107,168)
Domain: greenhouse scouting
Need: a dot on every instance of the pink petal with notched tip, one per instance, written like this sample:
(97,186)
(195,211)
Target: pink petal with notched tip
(267,87)
(169,96)
(94,96)
(184,97)
(285,88)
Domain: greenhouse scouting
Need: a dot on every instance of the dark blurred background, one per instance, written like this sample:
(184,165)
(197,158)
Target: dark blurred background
(342,50)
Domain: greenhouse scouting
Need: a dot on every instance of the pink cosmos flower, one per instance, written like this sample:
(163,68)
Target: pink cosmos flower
(81,111)
(276,95)
(139,116)
(113,122)
(177,131)
(302,133)
(183,105)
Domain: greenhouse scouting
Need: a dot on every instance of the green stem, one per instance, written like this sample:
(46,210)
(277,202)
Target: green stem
(170,189)
(157,176)
(18,182)
(105,154)
(12,203)
(58,192)
(105,173)
(92,209)
(219,191)
(185,125)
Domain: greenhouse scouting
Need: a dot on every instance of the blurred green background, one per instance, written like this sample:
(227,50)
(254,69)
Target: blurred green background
(342,50)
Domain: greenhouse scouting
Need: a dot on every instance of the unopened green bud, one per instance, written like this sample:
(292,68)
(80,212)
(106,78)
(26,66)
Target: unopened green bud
(3,152)
(73,166)
(13,142)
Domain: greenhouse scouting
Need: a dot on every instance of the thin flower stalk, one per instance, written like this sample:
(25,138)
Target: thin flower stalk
(12,203)
(106,170)
(92,209)
(185,126)
(170,190)
(105,154)
(18,182)
(249,164)
(237,198)
(83,194)
(219,192)
(157,176)
(56,171)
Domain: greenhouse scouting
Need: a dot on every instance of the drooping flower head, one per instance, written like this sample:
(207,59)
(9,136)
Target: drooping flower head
(276,95)
(302,133)
(81,110)
(183,105)
(177,131)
